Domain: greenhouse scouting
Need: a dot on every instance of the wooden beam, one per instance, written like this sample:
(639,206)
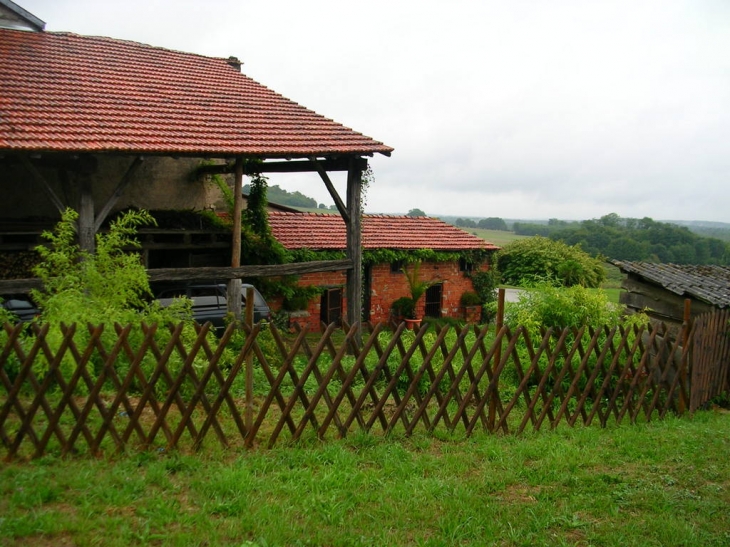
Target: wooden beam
(338,164)
(354,242)
(268,270)
(331,189)
(43,183)
(19,286)
(292,166)
(15,286)
(118,191)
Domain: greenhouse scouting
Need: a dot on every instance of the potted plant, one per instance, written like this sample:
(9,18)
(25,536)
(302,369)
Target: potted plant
(417,288)
(403,309)
(472,304)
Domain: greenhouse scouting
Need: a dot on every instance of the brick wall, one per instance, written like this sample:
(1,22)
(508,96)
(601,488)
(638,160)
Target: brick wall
(388,286)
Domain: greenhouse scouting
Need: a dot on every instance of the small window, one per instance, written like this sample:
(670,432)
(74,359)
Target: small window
(397,266)
(465,266)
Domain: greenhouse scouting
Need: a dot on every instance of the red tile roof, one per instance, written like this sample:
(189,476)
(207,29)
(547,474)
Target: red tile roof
(65,92)
(327,232)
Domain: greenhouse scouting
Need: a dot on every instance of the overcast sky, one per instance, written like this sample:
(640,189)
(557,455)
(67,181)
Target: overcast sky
(568,109)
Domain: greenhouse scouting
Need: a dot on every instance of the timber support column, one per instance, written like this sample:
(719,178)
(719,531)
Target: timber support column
(87,214)
(354,240)
(234,285)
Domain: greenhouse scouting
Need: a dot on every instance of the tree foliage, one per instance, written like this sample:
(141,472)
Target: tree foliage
(493,223)
(108,286)
(465,223)
(415,213)
(633,239)
(284,197)
(536,260)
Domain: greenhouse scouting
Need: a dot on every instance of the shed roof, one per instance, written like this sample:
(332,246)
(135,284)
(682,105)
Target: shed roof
(709,284)
(69,93)
(318,231)
(14,16)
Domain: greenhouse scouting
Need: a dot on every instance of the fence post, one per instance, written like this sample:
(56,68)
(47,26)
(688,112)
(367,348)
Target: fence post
(248,419)
(497,358)
(683,404)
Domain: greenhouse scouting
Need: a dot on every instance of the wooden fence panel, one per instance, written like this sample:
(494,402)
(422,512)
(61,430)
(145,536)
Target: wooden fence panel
(97,390)
(710,376)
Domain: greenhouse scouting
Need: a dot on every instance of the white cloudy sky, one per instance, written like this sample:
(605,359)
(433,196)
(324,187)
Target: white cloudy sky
(567,109)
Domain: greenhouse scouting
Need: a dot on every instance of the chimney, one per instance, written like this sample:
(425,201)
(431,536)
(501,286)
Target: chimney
(234,62)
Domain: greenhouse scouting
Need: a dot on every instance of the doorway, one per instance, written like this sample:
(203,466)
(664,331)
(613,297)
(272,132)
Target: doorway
(433,300)
(330,310)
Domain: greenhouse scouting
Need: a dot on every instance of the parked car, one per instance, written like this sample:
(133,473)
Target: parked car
(211,304)
(21,307)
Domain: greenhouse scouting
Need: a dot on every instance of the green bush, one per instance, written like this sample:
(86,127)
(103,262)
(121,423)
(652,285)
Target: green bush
(470,298)
(562,307)
(538,260)
(107,287)
(404,307)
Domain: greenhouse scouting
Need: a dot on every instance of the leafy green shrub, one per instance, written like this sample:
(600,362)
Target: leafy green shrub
(562,307)
(485,284)
(5,315)
(404,307)
(470,298)
(298,298)
(536,260)
(108,287)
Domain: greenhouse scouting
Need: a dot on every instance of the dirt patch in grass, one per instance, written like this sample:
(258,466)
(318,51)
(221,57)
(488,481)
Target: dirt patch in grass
(519,493)
(46,540)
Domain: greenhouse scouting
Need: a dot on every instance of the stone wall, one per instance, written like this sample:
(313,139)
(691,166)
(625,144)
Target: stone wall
(159,183)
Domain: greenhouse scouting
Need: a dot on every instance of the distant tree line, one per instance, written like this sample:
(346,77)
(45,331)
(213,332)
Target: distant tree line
(491,223)
(276,194)
(633,239)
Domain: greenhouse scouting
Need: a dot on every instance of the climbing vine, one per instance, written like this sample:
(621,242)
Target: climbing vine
(367,178)
(384,256)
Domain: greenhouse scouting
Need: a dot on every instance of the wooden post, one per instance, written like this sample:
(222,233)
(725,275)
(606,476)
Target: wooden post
(686,320)
(86,215)
(354,242)
(234,285)
(497,358)
(248,418)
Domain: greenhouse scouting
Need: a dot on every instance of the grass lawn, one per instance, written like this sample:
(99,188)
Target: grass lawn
(498,237)
(662,483)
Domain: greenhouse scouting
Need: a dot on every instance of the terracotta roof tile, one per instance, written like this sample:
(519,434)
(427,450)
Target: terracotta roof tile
(710,284)
(65,92)
(327,232)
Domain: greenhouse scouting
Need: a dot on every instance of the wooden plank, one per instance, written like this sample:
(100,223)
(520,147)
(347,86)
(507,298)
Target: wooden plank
(15,286)
(272,270)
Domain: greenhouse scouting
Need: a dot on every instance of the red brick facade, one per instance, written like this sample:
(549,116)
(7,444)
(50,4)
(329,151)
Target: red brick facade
(387,287)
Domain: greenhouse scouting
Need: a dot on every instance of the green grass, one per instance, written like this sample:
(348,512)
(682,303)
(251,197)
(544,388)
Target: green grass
(662,483)
(498,237)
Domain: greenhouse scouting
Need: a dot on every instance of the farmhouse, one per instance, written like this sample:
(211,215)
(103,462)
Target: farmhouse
(99,124)
(661,290)
(447,255)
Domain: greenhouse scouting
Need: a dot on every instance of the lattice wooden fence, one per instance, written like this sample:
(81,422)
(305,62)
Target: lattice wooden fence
(90,390)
